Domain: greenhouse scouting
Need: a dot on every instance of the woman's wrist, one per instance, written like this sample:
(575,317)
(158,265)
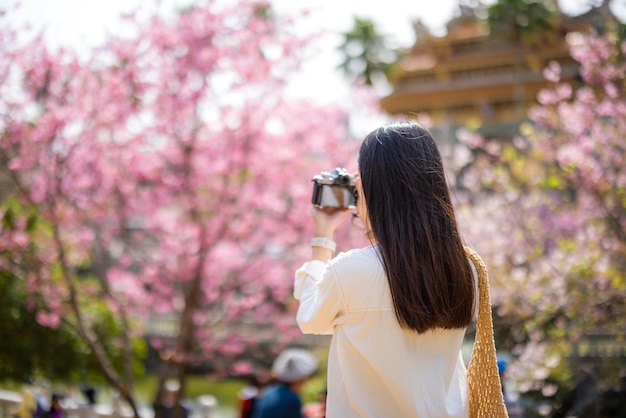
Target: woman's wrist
(324,242)
(323,232)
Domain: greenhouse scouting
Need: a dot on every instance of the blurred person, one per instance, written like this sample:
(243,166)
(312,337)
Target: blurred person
(27,408)
(513,405)
(170,407)
(249,394)
(56,409)
(89,393)
(291,369)
(41,389)
(397,309)
(207,404)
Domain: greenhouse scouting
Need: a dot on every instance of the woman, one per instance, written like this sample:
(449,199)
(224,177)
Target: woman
(397,309)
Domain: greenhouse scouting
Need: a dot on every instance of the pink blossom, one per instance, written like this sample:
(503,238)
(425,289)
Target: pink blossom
(242,368)
(548,97)
(48,319)
(552,72)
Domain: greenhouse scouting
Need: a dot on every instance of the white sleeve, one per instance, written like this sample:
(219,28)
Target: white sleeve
(321,302)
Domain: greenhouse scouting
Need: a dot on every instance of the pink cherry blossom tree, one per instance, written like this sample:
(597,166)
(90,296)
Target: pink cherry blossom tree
(165,176)
(551,217)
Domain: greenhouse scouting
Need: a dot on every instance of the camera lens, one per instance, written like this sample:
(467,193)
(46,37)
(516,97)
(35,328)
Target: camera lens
(343,180)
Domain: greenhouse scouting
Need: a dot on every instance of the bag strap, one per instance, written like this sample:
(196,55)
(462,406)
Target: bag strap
(485,390)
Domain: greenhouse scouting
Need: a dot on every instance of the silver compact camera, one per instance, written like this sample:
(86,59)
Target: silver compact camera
(334,189)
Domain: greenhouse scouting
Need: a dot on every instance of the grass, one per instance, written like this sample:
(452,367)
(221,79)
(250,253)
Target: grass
(224,390)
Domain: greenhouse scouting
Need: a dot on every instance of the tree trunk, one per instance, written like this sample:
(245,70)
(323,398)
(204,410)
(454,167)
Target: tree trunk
(166,404)
(83,328)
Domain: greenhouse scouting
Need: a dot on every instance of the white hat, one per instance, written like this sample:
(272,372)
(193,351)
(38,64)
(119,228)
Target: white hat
(294,364)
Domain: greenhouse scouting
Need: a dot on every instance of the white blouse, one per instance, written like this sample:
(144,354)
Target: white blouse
(375,367)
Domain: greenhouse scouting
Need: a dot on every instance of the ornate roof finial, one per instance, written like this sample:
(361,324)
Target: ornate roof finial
(421,30)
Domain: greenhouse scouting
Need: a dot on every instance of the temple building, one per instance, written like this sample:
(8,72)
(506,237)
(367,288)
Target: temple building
(483,82)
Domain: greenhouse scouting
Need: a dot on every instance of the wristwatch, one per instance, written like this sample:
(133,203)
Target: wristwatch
(324,242)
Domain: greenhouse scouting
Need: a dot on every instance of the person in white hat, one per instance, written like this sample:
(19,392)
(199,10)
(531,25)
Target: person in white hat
(291,369)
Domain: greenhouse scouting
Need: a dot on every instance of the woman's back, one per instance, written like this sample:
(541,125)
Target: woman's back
(377,368)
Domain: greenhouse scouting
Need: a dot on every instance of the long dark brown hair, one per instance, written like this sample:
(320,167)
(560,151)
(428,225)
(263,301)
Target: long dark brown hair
(412,219)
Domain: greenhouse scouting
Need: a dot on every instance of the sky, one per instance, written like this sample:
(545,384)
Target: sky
(84,24)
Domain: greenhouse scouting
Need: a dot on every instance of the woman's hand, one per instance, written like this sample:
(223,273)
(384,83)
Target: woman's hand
(327,220)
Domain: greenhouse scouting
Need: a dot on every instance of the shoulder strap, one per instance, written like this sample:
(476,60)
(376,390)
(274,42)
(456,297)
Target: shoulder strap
(485,391)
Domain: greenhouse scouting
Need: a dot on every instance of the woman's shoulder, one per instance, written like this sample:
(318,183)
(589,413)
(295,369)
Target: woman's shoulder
(361,278)
(355,254)
(358,259)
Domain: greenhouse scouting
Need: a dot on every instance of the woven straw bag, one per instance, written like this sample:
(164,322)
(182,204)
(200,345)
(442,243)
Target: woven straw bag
(485,391)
